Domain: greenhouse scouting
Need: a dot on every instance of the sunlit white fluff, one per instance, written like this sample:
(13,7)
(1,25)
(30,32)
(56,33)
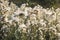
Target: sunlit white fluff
(8,8)
(42,22)
(22,26)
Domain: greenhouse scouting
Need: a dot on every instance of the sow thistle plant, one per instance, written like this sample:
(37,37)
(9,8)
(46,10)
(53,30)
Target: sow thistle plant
(26,23)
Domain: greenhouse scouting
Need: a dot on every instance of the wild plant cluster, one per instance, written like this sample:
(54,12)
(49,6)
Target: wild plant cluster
(26,23)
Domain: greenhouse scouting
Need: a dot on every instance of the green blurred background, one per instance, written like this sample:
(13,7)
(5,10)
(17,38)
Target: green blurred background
(44,3)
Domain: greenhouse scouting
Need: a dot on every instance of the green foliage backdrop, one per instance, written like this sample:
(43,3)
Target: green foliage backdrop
(44,3)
